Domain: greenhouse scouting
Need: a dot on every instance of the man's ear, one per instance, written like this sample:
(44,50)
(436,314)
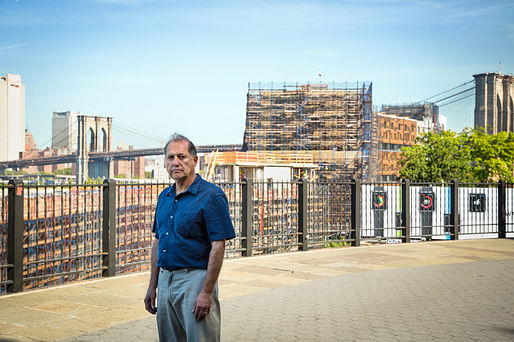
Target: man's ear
(195,159)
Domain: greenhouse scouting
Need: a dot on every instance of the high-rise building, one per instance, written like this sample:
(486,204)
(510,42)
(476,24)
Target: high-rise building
(494,102)
(64,130)
(12,117)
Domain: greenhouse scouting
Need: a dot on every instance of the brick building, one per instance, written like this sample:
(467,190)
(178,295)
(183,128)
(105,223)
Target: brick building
(131,169)
(31,151)
(393,133)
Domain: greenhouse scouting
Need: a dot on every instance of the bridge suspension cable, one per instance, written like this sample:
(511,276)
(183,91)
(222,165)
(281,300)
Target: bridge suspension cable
(58,135)
(457,100)
(453,95)
(132,131)
(446,91)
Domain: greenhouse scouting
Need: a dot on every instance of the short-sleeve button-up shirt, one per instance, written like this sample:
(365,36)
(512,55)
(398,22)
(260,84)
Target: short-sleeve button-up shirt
(187,223)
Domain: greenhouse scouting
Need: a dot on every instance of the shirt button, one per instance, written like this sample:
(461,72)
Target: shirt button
(167,233)
(171,216)
(175,201)
(164,250)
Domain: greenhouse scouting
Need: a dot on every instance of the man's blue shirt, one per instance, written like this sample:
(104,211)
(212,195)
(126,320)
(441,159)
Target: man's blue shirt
(187,224)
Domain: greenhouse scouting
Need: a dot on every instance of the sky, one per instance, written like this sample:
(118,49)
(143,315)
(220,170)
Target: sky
(164,66)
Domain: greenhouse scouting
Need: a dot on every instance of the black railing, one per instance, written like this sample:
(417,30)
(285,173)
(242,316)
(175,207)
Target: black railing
(4,264)
(56,234)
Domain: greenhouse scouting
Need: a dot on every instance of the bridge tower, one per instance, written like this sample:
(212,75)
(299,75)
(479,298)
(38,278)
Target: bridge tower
(494,102)
(99,130)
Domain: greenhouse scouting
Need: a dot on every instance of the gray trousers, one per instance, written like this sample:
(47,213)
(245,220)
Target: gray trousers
(176,296)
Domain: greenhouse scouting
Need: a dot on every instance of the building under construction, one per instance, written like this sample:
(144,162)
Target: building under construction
(332,122)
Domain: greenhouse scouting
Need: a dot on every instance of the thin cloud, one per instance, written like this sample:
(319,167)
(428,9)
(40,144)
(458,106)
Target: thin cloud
(482,11)
(12,47)
(124,2)
(113,80)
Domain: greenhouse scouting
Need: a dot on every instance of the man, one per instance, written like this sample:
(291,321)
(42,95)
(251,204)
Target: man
(191,225)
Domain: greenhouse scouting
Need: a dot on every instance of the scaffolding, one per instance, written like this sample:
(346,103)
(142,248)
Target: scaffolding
(333,122)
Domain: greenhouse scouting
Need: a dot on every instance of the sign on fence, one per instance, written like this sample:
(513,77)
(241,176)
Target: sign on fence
(477,203)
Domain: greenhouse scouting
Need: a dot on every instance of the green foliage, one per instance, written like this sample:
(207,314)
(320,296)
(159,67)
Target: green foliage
(120,175)
(64,171)
(492,155)
(470,156)
(148,175)
(336,244)
(14,173)
(97,180)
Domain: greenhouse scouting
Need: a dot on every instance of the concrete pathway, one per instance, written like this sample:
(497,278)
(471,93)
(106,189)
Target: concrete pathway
(434,291)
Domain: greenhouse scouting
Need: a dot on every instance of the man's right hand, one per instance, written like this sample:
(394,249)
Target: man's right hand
(150,301)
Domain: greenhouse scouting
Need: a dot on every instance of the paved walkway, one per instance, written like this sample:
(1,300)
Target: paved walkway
(434,291)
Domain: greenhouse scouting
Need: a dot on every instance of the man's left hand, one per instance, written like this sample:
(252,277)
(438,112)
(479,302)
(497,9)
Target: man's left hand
(202,305)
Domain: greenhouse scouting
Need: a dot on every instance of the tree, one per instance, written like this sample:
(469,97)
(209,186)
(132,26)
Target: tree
(492,155)
(14,173)
(97,180)
(438,157)
(64,171)
(470,156)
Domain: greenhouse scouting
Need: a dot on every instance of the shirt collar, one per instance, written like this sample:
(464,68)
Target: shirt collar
(193,188)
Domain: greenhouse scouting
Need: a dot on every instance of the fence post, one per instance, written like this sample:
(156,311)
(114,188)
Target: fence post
(355,233)
(302,215)
(15,227)
(109,228)
(454,216)
(502,231)
(406,205)
(247,217)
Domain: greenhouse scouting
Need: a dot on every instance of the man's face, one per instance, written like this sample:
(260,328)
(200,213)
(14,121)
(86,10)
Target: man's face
(179,162)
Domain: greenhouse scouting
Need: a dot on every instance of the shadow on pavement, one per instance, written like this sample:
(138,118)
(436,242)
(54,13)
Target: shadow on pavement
(505,330)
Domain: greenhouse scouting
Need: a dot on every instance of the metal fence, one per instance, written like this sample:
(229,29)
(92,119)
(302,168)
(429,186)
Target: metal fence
(329,213)
(404,211)
(51,235)
(4,266)
(135,206)
(62,229)
(274,217)
(233,191)
(506,210)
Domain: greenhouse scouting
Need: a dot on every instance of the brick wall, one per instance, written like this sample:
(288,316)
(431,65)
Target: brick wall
(394,133)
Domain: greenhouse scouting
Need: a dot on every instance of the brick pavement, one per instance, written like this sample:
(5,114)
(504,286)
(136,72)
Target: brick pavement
(457,302)
(437,291)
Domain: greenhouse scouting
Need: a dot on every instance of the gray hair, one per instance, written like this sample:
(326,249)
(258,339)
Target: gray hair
(179,137)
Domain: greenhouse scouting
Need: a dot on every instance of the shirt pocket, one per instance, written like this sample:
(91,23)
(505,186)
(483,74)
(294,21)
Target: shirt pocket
(190,225)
